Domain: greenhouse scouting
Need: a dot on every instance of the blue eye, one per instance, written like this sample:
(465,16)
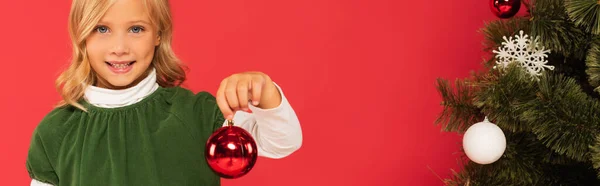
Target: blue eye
(102,29)
(137,29)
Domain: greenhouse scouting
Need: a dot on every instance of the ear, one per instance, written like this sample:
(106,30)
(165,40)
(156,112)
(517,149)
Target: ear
(157,40)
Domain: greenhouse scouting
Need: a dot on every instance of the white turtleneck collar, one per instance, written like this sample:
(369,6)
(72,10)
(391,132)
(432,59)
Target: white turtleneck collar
(108,98)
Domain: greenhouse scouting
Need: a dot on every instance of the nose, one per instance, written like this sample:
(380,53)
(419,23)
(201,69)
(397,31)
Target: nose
(120,46)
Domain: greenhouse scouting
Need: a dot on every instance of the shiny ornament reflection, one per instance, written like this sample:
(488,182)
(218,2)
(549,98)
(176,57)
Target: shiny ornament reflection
(505,8)
(231,151)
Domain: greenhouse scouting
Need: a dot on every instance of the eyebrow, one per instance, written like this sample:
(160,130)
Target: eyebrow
(130,22)
(139,21)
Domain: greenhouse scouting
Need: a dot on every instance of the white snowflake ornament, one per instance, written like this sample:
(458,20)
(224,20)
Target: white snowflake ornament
(530,55)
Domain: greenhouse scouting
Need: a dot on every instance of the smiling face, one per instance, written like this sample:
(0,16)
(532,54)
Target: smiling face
(122,45)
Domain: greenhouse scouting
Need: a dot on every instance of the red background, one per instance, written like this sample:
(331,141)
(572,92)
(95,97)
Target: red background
(359,74)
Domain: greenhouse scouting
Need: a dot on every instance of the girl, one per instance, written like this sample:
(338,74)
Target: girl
(124,119)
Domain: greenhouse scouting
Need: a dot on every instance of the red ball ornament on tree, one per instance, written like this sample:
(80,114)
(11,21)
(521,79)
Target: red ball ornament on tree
(231,151)
(505,8)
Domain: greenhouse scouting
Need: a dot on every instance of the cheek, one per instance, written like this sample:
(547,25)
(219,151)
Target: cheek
(145,49)
(95,51)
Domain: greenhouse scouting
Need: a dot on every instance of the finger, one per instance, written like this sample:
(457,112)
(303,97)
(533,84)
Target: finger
(222,101)
(256,87)
(231,94)
(242,93)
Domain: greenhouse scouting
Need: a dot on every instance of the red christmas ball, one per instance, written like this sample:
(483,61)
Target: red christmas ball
(231,152)
(505,8)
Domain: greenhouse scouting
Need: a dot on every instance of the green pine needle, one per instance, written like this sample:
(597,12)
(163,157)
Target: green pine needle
(523,163)
(550,23)
(584,13)
(493,31)
(502,97)
(459,112)
(548,9)
(595,151)
(593,64)
(563,117)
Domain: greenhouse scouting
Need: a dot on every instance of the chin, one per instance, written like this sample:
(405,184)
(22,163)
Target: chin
(121,83)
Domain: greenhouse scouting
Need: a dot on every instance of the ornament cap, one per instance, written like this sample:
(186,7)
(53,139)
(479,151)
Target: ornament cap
(229,122)
(486,119)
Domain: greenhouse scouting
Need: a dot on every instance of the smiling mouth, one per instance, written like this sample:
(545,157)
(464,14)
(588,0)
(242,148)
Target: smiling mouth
(120,65)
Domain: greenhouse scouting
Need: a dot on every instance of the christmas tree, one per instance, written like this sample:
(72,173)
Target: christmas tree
(541,86)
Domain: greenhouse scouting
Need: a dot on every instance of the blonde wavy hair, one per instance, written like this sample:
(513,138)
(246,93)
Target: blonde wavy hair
(83,17)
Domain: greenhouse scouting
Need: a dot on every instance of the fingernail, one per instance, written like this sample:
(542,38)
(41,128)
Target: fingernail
(255,103)
(229,117)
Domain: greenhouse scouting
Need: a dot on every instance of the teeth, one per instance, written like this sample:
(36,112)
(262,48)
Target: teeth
(120,66)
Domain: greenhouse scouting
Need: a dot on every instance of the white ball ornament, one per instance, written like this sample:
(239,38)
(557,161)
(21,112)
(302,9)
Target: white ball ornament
(484,142)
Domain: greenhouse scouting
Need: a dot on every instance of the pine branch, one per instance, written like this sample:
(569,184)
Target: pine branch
(459,112)
(563,117)
(502,98)
(550,157)
(550,23)
(585,14)
(560,37)
(549,8)
(578,173)
(568,43)
(520,165)
(593,65)
(595,153)
(523,163)
(493,31)
(573,68)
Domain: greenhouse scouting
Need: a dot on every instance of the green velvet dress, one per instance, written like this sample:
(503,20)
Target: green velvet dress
(157,141)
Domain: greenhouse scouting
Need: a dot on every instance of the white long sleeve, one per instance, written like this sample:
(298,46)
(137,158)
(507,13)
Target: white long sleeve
(277,131)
